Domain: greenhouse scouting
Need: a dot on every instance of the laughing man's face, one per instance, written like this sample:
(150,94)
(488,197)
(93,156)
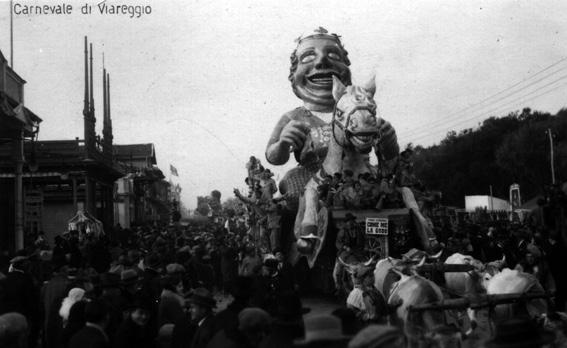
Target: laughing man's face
(318,60)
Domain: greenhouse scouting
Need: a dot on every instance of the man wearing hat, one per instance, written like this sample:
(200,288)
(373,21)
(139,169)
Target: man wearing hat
(21,295)
(323,331)
(151,282)
(201,308)
(287,324)
(251,329)
(134,331)
(112,297)
(171,304)
(13,330)
(241,290)
(254,325)
(350,245)
(267,286)
(129,279)
(201,272)
(93,334)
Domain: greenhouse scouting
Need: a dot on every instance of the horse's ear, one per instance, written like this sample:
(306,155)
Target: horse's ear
(338,88)
(370,86)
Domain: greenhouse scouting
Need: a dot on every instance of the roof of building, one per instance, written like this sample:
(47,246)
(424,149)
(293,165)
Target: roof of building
(135,151)
(61,155)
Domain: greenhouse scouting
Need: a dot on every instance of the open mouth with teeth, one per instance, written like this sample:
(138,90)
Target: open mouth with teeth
(322,79)
(363,141)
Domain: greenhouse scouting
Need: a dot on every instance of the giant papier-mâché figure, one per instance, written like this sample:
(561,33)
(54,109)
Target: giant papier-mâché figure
(318,59)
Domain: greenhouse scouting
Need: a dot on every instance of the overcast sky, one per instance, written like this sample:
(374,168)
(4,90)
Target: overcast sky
(206,81)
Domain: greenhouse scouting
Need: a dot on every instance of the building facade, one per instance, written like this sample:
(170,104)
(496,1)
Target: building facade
(17,125)
(142,196)
(67,175)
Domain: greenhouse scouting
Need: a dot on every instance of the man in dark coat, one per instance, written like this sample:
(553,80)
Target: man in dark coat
(350,245)
(229,263)
(151,282)
(253,328)
(241,291)
(288,322)
(52,294)
(93,335)
(286,274)
(202,273)
(75,322)
(21,295)
(151,286)
(202,304)
(59,251)
(111,296)
(556,257)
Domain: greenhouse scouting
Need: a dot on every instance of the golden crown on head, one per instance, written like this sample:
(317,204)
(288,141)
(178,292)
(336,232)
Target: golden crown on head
(320,33)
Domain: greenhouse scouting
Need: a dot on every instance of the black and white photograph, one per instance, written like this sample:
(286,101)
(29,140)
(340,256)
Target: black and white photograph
(283,174)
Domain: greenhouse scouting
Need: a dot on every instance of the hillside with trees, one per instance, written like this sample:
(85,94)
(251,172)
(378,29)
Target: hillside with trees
(500,152)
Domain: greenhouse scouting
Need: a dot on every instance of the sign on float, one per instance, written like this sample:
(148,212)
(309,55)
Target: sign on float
(377,226)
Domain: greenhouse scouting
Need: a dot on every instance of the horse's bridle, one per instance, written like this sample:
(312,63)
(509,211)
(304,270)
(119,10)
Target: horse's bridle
(338,113)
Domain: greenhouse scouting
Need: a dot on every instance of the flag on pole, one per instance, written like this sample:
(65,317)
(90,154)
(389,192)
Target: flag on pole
(173,170)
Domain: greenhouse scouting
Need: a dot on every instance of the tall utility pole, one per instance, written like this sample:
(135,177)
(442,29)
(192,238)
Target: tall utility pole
(18,187)
(491,200)
(11,34)
(551,155)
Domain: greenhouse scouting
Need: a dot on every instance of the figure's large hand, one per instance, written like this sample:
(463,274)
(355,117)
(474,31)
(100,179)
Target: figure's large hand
(386,130)
(294,134)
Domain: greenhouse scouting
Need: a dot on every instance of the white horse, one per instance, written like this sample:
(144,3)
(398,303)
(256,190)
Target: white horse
(354,132)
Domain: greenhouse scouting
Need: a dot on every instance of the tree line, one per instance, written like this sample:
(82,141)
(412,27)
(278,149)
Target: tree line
(499,152)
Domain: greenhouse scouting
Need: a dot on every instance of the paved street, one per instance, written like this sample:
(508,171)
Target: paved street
(320,305)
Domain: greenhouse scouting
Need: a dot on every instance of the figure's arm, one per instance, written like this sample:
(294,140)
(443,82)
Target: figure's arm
(242,198)
(287,134)
(388,145)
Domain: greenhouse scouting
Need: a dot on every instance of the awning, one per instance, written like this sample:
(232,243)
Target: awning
(34,175)
(16,117)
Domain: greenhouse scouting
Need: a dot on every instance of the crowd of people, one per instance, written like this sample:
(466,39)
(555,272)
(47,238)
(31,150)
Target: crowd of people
(156,288)
(192,286)
(228,283)
(530,246)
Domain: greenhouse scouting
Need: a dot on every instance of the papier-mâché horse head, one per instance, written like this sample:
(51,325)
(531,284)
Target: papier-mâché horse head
(355,124)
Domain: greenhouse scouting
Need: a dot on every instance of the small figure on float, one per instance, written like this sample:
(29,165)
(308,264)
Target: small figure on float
(254,168)
(350,244)
(368,302)
(273,209)
(267,184)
